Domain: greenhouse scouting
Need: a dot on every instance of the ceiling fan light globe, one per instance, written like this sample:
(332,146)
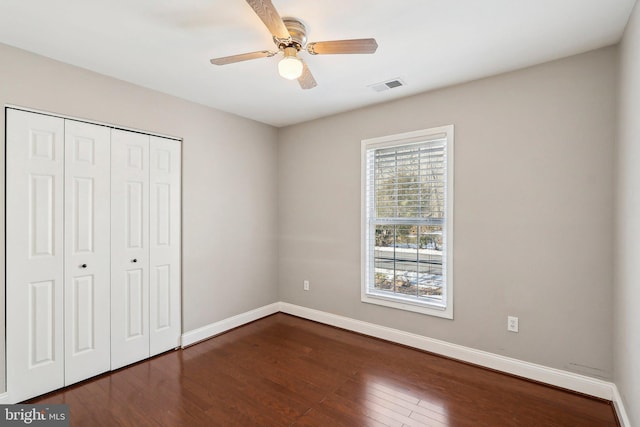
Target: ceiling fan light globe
(290,67)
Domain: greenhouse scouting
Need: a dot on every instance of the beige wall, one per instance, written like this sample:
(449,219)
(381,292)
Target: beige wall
(627,296)
(533,217)
(229,178)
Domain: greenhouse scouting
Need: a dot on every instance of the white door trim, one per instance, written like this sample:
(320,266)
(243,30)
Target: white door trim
(90,121)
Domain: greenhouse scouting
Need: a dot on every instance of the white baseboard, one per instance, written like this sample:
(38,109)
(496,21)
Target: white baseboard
(532,371)
(618,404)
(552,376)
(208,331)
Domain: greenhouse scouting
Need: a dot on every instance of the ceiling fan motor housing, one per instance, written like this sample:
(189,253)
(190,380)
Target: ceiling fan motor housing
(297,31)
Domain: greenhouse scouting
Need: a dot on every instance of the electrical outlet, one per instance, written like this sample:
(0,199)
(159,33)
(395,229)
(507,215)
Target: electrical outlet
(305,285)
(512,324)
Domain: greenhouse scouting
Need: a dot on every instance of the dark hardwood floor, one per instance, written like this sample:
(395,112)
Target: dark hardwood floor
(286,371)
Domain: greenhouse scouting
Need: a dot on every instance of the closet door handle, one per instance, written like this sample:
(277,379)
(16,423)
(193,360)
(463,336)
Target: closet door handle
(83,266)
(134,260)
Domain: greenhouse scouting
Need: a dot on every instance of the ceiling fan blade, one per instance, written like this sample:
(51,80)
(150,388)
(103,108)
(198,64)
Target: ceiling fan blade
(242,57)
(343,46)
(270,16)
(306,80)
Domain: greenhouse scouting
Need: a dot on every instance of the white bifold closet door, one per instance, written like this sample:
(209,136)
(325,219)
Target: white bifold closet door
(87,234)
(164,244)
(35,254)
(57,281)
(145,246)
(93,250)
(129,247)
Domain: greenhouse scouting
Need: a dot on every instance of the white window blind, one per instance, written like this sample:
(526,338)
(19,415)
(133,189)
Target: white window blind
(405,220)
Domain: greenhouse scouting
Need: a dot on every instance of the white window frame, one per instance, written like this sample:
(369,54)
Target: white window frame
(445,308)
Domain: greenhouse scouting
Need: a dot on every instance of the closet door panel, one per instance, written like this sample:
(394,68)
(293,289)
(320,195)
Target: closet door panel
(165,224)
(87,250)
(34,258)
(129,247)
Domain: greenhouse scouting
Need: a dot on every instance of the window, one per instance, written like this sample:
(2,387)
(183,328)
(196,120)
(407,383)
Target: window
(407,206)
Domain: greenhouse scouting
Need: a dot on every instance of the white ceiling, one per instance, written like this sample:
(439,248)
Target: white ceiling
(166,45)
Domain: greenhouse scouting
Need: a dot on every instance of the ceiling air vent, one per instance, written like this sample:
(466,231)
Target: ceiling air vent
(389,84)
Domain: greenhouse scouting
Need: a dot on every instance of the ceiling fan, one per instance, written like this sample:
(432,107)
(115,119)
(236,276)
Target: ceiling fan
(290,37)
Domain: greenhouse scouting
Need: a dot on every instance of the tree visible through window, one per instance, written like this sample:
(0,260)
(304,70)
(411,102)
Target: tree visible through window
(406,203)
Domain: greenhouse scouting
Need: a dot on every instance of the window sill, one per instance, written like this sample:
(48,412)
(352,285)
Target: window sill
(407,305)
